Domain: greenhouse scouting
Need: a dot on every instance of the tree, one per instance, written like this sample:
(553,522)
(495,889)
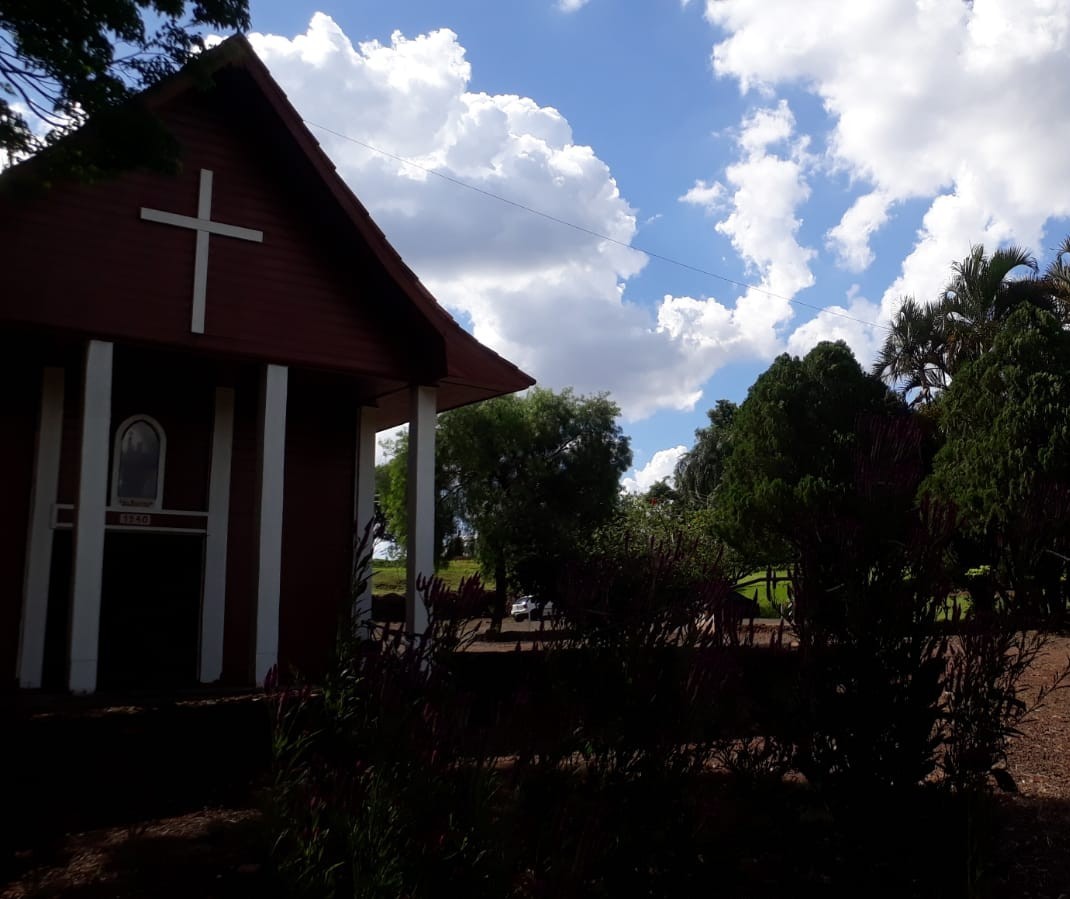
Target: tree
(698,473)
(979,298)
(1005,463)
(793,460)
(65,63)
(928,343)
(658,521)
(391,480)
(662,494)
(913,355)
(529,476)
(1057,281)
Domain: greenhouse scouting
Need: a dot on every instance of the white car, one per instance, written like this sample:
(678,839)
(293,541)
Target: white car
(523,606)
(528,607)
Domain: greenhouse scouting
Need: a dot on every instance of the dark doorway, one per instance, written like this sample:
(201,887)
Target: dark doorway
(150,610)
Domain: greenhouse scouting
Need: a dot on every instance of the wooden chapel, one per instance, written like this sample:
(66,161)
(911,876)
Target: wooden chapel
(196,369)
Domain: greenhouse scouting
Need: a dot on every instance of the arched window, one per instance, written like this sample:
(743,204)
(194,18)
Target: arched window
(137,468)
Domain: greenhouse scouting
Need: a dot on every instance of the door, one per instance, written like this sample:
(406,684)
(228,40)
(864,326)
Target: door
(150,610)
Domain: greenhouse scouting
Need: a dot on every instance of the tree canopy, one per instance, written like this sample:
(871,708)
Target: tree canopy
(928,343)
(698,473)
(530,477)
(1005,462)
(793,450)
(63,64)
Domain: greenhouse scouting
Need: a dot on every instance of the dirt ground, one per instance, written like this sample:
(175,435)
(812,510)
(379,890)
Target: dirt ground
(1035,838)
(524,634)
(214,853)
(222,852)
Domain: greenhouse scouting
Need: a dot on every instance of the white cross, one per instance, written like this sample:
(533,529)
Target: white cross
(204,226)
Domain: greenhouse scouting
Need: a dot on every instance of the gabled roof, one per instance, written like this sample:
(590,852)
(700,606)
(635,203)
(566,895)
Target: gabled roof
(467,371)
(468,361)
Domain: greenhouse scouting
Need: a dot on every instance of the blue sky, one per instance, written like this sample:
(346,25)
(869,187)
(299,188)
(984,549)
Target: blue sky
(835,155)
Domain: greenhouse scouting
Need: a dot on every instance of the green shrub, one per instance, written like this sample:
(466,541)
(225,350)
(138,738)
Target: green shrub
(371,794)
(645,754)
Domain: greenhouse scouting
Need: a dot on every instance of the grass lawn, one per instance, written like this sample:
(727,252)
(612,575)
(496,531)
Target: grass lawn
(770,601)
(389,576)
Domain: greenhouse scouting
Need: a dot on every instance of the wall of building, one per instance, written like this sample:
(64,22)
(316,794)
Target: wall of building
(18,424)
(241,543)
(318,518)
(310,294)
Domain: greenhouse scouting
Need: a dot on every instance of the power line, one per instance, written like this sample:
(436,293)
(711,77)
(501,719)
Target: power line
(589,231)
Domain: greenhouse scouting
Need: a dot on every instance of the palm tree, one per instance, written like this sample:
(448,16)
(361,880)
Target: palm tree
(1056,280)
(698,472)
(928,343)
(912,359)
(980,296)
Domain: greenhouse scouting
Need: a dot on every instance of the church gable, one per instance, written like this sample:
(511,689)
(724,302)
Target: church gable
(241,254)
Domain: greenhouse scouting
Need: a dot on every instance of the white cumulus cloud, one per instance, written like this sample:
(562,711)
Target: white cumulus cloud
(661,466)
(761,195)
(547,297)
(850,238)
(956,103)
(848,322)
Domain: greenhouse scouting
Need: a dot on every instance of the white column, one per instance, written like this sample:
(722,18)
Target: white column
(91,502)
(213,600)
(364,502)
(271,452)
(420,554)
(39,539)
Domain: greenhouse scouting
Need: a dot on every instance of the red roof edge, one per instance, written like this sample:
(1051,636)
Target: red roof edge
(466,357)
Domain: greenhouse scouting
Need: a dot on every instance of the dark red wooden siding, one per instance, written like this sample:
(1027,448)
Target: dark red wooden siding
(179,392)
(317,519)
(301,297)
(241,541)
(18,425)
